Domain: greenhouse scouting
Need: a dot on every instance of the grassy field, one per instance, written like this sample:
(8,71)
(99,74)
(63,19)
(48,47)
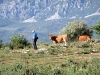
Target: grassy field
(51,59)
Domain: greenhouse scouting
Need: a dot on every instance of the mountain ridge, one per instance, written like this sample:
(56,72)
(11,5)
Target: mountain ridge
(20,10)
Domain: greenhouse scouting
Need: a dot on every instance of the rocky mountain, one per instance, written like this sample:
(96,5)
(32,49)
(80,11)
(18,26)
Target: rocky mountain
(39,10)
(45,16)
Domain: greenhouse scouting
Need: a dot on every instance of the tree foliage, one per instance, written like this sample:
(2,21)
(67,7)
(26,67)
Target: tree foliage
(96,28)
(76,28)
(19,41)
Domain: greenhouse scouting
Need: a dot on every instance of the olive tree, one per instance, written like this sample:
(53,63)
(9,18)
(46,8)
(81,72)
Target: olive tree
(76,28)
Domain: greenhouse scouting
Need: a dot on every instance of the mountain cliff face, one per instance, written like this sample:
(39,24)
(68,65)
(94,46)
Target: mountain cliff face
(38,10)
(45,16)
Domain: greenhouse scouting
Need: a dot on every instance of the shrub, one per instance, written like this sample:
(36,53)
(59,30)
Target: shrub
(81,44)
(6,49)
(19,41)
(0,43)
(56,72)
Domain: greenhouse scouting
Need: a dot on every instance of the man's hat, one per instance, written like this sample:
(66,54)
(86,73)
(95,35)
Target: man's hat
(33,31)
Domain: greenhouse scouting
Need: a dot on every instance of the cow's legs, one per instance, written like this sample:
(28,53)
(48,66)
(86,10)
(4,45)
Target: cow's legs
(65,41)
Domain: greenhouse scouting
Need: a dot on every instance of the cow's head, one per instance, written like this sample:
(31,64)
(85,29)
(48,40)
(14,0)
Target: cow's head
(52,37)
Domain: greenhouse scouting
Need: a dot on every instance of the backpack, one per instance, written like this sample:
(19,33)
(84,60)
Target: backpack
(37,37)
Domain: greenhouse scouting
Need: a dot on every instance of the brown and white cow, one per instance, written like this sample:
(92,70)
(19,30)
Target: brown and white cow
(84,38)
(58,39)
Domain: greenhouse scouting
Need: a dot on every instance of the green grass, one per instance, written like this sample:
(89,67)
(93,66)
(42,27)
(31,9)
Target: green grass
(53,60)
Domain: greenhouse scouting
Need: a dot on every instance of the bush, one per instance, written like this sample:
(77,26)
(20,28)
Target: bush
(81,44)
(6,49)
(56,71)
(0,43)
(19,41)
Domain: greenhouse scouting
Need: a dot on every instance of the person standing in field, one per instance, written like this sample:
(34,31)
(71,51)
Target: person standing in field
(35,37)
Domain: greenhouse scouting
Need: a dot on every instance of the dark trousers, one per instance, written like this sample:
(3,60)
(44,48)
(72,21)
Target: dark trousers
(34,43)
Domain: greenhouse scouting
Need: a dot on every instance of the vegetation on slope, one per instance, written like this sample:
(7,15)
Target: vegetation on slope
(51,60)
